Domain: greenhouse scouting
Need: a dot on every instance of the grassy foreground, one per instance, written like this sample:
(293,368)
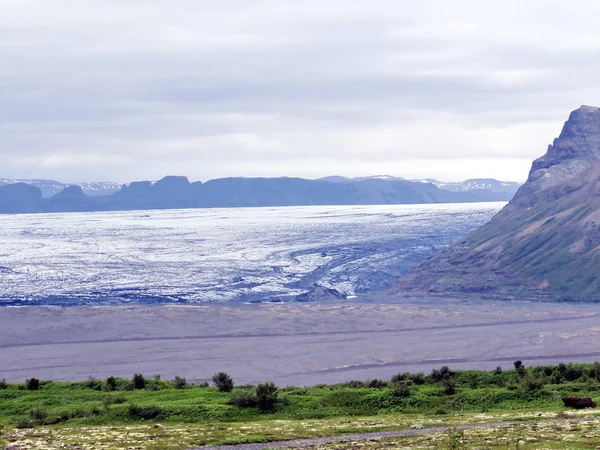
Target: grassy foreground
(124,414)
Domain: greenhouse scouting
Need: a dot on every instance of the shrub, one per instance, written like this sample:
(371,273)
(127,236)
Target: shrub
(179,382)
(223,382)
(449,388)
(139,382)
(244,399)
(38,414)
(519,367)
(498,370)
(91,382)
(573,373)
(399,377)
(144,413)
(377,384)
(111,384)
(417,378)
(443,374)
(401,390)
(473,380)
(25,423)
(532,382)
(354,384)
(3,384)
(594,371)
(32,384)
(266,395)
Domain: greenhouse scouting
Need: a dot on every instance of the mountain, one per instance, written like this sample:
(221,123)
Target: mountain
(509,188)
(478,184)
(20,197)
(545,243)
(50,188)
(174,192)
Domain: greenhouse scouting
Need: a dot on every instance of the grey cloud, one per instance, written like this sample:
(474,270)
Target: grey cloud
(104,89)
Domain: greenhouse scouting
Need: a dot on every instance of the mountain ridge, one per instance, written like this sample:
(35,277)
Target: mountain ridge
(49,188)
(545,243)
(177,192)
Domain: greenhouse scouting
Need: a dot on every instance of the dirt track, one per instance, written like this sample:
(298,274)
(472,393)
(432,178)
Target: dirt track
(312,442)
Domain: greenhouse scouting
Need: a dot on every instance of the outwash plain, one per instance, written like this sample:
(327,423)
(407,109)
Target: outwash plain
(299,344)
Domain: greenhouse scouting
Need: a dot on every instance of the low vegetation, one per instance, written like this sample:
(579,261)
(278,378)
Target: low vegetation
(230,414)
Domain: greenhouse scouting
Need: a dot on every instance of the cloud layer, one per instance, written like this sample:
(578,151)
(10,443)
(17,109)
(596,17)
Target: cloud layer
(123,90)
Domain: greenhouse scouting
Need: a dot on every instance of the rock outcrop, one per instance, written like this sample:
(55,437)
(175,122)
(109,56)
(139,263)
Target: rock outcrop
(545,243)
(578,402)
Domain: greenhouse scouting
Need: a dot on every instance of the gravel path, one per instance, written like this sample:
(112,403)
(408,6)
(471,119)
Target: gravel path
(303,443)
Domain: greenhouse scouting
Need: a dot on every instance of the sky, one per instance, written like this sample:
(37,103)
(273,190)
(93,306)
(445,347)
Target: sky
(127,90)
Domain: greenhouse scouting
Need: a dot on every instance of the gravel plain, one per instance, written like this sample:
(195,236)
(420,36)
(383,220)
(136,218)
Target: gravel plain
(293,344)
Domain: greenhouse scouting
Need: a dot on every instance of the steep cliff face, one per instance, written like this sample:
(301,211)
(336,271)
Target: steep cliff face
(545,243)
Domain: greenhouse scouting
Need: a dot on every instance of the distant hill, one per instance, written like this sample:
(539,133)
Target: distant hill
(478,184)
(475,184)
(177,192)
(545,243)
(50,188)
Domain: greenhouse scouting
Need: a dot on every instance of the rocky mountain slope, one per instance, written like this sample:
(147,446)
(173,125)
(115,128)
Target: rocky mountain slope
(545,243)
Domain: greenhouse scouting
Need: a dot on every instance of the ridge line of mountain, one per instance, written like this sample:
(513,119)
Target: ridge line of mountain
(176,192)
(544,244)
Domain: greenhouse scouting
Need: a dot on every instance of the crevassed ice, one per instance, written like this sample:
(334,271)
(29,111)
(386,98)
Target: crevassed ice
(220,254)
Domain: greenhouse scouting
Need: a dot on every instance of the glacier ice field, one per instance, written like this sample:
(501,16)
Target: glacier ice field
(214,255)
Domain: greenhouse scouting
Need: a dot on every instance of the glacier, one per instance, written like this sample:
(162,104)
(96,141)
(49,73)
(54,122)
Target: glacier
(216,255)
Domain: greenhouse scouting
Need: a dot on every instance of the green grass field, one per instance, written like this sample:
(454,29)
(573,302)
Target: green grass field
(98,414)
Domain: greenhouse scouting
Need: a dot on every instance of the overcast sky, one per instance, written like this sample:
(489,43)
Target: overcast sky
(134,89)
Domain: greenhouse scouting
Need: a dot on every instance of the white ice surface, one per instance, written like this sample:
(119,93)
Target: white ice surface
(219,254)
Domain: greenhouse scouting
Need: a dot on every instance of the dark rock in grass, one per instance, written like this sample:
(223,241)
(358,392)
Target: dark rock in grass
(578,402)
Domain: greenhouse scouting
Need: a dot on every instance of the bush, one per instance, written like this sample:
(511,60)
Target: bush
(519,367)
(377,384)
(417,378)
(443,374)
(473,380)
(401,390)
(399,377)
(223,382)
(354,384)
(266,395)
(3,384)
(111,384)
(32,384)
(144,413)
(244,399)
(91,382)
(139,382)
(498,370)
(25,423)
(179,382)
(532,382)
(38,414)
(449,388)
